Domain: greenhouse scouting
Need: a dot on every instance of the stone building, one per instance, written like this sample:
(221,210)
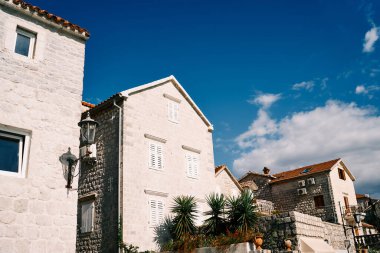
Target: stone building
(41,75)
(324,190)
(153,143)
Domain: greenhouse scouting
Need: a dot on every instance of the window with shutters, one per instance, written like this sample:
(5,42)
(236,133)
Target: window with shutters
(173,111)
(156,156)
(87,217)
(192,165)
(156,207)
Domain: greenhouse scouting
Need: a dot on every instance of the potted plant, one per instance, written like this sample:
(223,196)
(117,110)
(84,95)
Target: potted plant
(288,244)
(258,240)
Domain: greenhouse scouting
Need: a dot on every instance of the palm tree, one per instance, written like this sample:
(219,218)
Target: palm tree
(164,233)
(184,210)
(241,212)
(216,223)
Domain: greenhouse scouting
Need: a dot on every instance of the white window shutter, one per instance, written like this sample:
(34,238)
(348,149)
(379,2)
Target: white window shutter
(176,112)
(188,165)
(153,212)
(195,166)
(160,212)
(159,157)
(152,156)
(87,217)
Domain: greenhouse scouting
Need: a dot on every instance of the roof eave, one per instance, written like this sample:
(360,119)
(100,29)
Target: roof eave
(42,19)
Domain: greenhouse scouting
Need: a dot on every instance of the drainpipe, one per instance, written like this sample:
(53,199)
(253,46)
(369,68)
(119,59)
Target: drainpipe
(120,166)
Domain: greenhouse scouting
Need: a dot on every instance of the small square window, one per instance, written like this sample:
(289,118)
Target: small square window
(87,217)
(25,42)
(13,153)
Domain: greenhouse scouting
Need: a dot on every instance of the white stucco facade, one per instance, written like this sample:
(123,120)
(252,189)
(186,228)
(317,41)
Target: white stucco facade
(342,188)
(146,121)
(226,183)
(40,99)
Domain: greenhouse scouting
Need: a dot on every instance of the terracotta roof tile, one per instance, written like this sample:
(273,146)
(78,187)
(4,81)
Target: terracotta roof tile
(89,105)
(303,171)
(48,16)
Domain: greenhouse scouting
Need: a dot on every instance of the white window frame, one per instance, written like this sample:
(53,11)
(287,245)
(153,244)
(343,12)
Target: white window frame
(156,215)
(31,35)
(173,111)
(87,228)
(158,156)
(23,137)
(192,165)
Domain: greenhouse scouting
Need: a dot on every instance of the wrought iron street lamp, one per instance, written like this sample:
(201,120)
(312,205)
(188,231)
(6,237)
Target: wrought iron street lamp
(87,137)
(87,130)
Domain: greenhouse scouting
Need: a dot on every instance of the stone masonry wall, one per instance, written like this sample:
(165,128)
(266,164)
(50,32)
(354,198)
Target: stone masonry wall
(41,96)
(262,182)
(294,225)
(285,197)
(101,180)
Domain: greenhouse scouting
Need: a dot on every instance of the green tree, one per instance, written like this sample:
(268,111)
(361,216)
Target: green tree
(216,223)
(241,212)
(185,213)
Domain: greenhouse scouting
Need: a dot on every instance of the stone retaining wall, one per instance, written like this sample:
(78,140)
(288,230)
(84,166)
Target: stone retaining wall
(294,225)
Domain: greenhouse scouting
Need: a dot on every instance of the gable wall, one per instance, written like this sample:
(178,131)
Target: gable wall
(146,113)
(341,189)
(226,185)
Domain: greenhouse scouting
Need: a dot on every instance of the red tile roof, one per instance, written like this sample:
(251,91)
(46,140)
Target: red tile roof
(304,171)
(360,196)
(89,105)
(29,8)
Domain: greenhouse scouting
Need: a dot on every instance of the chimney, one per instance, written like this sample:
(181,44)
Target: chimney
(266,171)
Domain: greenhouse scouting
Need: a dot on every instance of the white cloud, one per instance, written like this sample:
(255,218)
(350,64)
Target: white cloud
(265,100)
(307,85)
(334,130)
(363,90)
(360,89)
(262,126)
(369,39)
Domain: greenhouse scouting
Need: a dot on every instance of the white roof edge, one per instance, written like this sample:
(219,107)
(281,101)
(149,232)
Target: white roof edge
(143,87)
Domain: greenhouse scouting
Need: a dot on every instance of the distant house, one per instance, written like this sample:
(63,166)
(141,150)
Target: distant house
(325,190)
(227,184)
(41,84)
(153,143)
(371,207)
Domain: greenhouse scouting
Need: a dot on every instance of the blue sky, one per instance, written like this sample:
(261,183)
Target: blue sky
(285,83)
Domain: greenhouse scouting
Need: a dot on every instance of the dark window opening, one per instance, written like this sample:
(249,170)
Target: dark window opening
(342,174)
(319,202)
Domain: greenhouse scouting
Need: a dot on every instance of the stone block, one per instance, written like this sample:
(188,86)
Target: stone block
(20,205)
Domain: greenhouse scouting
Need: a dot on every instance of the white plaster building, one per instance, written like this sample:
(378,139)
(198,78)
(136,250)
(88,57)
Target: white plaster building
(166,151)
(227,184)
(41,74)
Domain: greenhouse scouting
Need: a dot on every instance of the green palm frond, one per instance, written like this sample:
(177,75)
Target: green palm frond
(215,224)
(185,213)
